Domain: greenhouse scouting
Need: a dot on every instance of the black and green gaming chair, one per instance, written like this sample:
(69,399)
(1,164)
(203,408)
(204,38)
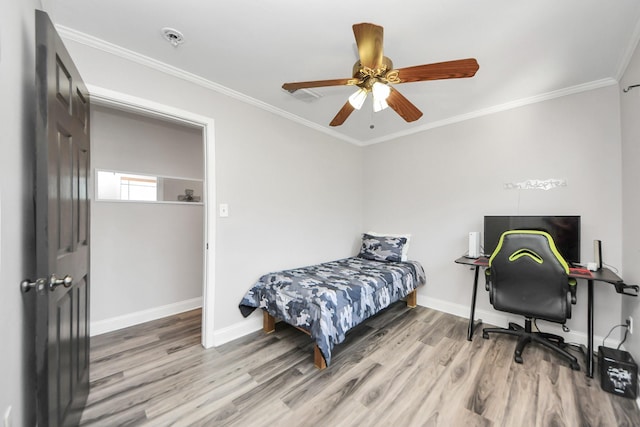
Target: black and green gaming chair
(528,276)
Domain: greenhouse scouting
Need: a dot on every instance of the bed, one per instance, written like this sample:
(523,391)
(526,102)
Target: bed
(328,299)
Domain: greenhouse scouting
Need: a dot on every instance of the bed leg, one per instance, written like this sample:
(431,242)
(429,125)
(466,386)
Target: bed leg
(318,359)
(268,323)
(412,299)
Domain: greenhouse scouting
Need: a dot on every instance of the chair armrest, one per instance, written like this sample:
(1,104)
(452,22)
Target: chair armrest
(573,286)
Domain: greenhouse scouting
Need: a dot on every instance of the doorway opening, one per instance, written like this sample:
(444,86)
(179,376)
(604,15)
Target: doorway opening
(204,126)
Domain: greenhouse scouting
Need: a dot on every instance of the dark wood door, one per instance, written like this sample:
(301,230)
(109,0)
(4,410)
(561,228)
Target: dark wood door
(62,231)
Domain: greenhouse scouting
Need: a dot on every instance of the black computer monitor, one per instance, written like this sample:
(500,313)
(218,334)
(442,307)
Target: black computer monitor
(565,231)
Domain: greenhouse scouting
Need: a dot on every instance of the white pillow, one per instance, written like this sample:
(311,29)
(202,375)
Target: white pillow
(405,248)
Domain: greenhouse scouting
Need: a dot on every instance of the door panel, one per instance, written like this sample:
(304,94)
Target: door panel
(83,198)
(64,198)
(62,353)
(62,231)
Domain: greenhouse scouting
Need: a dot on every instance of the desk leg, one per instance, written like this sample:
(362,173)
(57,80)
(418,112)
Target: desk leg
(473,306)
(590,329)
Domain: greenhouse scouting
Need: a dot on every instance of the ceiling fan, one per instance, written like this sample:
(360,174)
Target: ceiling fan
(374,73)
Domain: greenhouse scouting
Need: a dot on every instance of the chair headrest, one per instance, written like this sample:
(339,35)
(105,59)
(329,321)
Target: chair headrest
(541,237)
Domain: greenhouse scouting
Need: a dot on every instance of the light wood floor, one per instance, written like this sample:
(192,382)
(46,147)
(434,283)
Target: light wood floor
(405,367)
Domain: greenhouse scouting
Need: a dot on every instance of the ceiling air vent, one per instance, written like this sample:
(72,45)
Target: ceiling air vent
(305,95)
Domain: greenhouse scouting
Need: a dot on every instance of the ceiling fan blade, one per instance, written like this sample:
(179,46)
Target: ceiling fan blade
(403,106)
(342,115)
(292,87)
(441,70)
(369,38)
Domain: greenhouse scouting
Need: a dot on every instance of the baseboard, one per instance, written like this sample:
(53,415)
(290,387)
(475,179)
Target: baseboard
(131,319)
(254,322)
(444,306)
(501,319)
(489,317)
(251,324)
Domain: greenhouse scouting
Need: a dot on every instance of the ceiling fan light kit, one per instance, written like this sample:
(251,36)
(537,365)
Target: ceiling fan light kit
(374,73)
(380,91)
(379,105)
(358,98)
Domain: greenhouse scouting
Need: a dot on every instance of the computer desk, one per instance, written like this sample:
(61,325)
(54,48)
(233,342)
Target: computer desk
(602,275)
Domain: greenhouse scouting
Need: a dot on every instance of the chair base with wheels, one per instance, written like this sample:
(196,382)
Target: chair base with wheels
(526,335)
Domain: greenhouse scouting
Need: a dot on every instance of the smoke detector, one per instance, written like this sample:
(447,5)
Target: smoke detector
(173,36)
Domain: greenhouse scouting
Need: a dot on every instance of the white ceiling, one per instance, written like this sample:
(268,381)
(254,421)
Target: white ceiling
(527,50)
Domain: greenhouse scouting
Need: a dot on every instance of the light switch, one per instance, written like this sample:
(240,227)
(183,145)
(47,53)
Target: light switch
(224,209)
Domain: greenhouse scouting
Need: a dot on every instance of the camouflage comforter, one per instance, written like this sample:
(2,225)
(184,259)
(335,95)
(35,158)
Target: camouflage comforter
(329,299)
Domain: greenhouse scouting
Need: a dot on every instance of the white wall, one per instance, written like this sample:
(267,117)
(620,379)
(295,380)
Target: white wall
(630,113)
(17,114)
(439,184)
(144,255)
(295,198)
(294,195)
(139,144)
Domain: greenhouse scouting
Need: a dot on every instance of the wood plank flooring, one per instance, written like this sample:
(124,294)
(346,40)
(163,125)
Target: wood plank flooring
(404,367)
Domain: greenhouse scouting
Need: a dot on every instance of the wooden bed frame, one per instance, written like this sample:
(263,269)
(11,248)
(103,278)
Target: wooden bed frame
(269,326)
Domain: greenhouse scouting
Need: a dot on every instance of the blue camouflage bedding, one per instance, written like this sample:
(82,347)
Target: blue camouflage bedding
(330,298)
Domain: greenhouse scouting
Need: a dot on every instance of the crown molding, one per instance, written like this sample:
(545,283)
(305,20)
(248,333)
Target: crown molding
(99,44)
(499,108)
(96,43)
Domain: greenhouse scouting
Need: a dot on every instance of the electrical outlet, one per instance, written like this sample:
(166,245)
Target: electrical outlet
(7,417)
(630,324)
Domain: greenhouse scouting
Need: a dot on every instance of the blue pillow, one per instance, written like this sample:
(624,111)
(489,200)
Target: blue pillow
(382,248)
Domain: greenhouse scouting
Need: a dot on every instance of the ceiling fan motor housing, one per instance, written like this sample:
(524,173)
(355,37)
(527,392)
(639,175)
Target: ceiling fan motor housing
(367,76)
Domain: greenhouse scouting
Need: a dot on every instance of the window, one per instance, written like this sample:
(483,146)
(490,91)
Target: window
(138,187)
(126,186)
